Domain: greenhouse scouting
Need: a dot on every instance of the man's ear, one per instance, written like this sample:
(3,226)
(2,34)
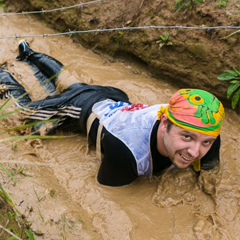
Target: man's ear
(164,123)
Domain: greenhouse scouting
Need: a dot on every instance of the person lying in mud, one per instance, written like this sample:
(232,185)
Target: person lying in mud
(131,140)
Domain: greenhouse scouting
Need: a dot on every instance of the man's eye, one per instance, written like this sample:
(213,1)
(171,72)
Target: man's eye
(187,137)
(207,143)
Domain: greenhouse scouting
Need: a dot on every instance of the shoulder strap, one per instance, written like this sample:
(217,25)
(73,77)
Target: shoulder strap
(90,121)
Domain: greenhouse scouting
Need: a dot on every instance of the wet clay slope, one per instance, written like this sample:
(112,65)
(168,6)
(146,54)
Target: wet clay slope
(56,187)
(194,59)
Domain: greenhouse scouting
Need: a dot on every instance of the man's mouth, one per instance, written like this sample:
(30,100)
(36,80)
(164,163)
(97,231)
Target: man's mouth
(185,158)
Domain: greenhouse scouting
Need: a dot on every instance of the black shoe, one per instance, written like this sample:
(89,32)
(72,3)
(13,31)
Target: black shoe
(24,50)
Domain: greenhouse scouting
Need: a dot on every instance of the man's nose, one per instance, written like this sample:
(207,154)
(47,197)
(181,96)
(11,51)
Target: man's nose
(194,150)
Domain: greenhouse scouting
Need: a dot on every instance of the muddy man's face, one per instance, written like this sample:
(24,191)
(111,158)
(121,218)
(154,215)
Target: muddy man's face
(181,146)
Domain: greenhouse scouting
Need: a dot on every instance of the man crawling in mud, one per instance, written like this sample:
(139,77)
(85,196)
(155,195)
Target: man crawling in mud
(131,140)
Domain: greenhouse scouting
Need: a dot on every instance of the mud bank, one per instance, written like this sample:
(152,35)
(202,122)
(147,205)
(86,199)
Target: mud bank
(56,186)
(194,59)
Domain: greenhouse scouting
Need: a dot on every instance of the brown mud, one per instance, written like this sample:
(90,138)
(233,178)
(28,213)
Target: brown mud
(194,59)
(56,188)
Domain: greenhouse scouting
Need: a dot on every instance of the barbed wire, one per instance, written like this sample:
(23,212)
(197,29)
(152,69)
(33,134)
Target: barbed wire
(203,27)
(52,10)
(120,29)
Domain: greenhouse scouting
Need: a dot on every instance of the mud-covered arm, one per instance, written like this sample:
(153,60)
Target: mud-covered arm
(118,166)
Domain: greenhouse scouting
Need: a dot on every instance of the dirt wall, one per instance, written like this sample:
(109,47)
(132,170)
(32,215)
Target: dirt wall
(195,58)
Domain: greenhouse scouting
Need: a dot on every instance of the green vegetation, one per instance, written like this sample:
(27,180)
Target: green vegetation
(164,41)
(13,225)
(233,76)
(117,38)
(222,3)
(185,4)
(2,5)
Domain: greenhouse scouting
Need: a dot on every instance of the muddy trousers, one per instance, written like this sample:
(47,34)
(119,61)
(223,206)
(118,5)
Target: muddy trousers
(49,72)
(67,98)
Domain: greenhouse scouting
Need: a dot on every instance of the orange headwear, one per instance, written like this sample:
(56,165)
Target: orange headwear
(195,110)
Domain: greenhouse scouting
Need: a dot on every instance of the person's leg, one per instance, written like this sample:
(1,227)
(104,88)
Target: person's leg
(45,67)
(50,72)
(53,111)
(47,114)
(10,87)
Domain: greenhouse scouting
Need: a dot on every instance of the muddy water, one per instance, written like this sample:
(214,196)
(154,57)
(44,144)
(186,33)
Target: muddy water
(55,183)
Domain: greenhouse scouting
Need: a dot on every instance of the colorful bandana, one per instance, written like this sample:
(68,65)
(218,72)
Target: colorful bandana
(195,110)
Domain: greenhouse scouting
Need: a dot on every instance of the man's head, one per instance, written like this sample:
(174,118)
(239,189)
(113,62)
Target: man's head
(189,126)
(195,110)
